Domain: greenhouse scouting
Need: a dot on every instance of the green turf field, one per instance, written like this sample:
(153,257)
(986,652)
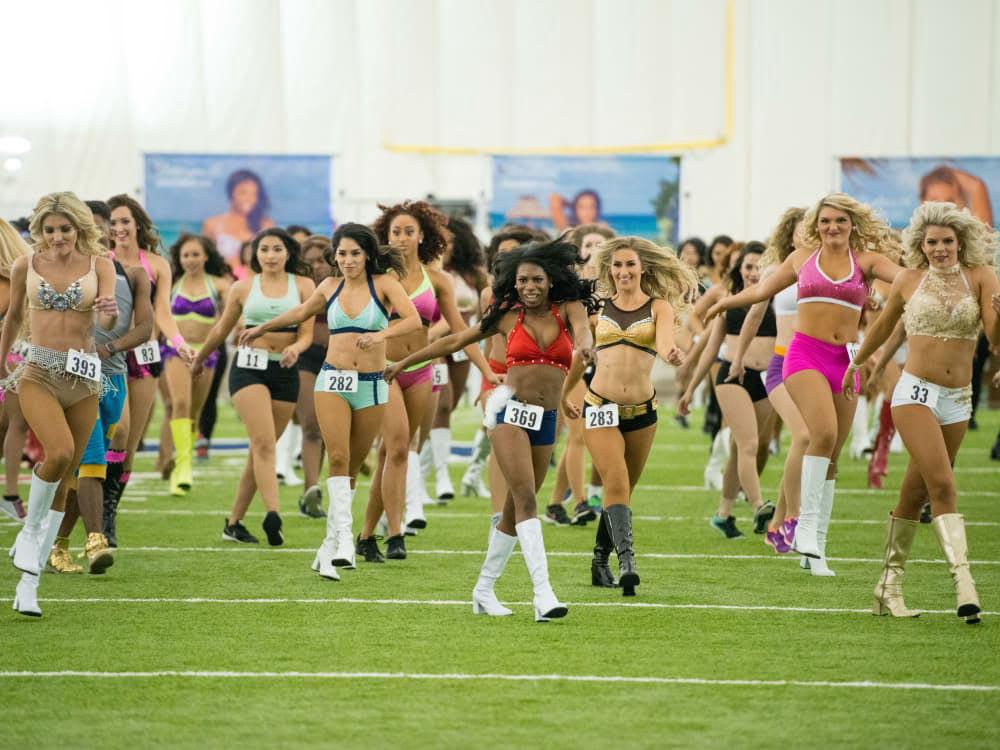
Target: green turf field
(191,641)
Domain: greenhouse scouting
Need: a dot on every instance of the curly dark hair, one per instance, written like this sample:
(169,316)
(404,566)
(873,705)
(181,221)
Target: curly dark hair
(214,264)
(558,259)
(259,212)
(294,264)
(735,281)
(467,258)
(146,235)
(521,233)
(433,224)
(379,258)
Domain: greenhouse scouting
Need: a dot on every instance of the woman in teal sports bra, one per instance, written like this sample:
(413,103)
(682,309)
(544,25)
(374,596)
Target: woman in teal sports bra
(195,303)
(350,392)
(419,232)
(263,381)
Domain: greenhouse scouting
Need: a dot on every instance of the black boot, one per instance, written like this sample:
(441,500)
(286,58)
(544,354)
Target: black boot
(368,550)
(600,573)
(113,489)
(395,547)
(619,521)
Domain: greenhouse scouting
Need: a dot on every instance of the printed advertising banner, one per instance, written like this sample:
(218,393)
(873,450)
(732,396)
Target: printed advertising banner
(895,186)
(231,197)
(634,195)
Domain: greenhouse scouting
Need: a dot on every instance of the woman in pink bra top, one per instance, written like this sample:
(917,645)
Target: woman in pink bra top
(832,289)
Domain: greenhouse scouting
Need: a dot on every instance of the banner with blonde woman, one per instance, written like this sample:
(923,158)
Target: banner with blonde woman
(232,197)
(637,195)
(897,185)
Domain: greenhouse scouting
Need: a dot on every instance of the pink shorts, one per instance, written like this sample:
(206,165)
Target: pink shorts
(829,360)
(409,378)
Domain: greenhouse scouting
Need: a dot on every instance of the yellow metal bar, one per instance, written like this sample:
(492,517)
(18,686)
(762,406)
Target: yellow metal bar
(641,148)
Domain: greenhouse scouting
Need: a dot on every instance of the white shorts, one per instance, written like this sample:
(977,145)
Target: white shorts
(949,405)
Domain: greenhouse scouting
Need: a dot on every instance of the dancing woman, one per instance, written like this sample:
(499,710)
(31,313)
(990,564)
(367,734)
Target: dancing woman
(200,284)
(418,231)
(59,381)
(946,292)
(537,306)
(783,241)
(742,396)
(263,382)
(649,288)
(832,291)
(350,393)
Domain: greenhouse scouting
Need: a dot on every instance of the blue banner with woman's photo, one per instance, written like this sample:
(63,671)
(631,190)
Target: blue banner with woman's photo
(231,197)
(634,195)
(897,185)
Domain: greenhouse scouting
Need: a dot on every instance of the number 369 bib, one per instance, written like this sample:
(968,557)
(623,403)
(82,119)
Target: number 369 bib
(528,416)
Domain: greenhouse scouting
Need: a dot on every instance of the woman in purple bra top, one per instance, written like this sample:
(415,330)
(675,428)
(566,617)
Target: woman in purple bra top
(832,290)
(195,304)
(419,231)
(945,297)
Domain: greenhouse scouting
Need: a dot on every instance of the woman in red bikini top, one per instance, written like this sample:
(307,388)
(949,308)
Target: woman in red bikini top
(538,305)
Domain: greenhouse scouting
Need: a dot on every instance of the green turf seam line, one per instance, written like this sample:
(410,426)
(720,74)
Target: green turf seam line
(639,680)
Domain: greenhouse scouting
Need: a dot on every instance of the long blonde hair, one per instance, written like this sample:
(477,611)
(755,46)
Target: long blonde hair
(664,275)
(976,241)
(781,241)
(12,247)
(88,236)
(867,233)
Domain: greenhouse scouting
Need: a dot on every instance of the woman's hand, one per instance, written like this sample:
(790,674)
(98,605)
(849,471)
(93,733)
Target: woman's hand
(197,366)
(495,378)
(248,335)
(716,309)
(186,352)
(367,341)
(847,384)
(289,356)
(676,357)
(684,404)
(736,371)
(571,410)
(589,356)
(391,371)
(106,305)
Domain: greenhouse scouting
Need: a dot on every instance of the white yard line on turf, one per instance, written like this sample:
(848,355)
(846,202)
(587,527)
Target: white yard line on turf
(617,604)
(255,549)
(773,490)
(500,677)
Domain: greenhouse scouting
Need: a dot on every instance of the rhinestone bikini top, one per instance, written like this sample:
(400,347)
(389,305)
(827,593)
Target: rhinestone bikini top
(943,306)
(78,296)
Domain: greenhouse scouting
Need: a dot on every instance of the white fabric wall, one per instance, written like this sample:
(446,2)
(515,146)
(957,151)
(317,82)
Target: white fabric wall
(95,84)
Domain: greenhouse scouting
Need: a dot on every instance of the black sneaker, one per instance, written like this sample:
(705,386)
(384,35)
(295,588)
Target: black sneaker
(272,527)
(583,513)
(925,514)
(726,527)
(237,532)
(556,514)
(395,547)
(682,421)
(368,550)
(762,516)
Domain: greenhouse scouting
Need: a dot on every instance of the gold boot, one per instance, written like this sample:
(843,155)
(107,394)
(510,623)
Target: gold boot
(100,557)
(59,558)
(889,589)
(950,530)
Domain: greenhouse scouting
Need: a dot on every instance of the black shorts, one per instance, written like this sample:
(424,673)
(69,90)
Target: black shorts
(281,382)
(312,359)
(628,420)
(753,381)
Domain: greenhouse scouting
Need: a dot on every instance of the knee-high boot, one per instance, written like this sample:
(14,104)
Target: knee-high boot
(547,606)
(619,524)
(888,598)
(950,530)
(600,572)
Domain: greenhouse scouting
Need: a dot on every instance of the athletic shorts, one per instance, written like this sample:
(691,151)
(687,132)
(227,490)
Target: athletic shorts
(753,381)
(93,464)
(829,360)
(281,382)
(631,417)
(313,359)
(544,435)
(140,372)
(372,389)
(773,377)
(953,405)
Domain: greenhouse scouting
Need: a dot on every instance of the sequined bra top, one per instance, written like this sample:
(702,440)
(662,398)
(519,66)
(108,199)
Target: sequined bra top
(78,296)
(815,286)
(634,328)
(943,306)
